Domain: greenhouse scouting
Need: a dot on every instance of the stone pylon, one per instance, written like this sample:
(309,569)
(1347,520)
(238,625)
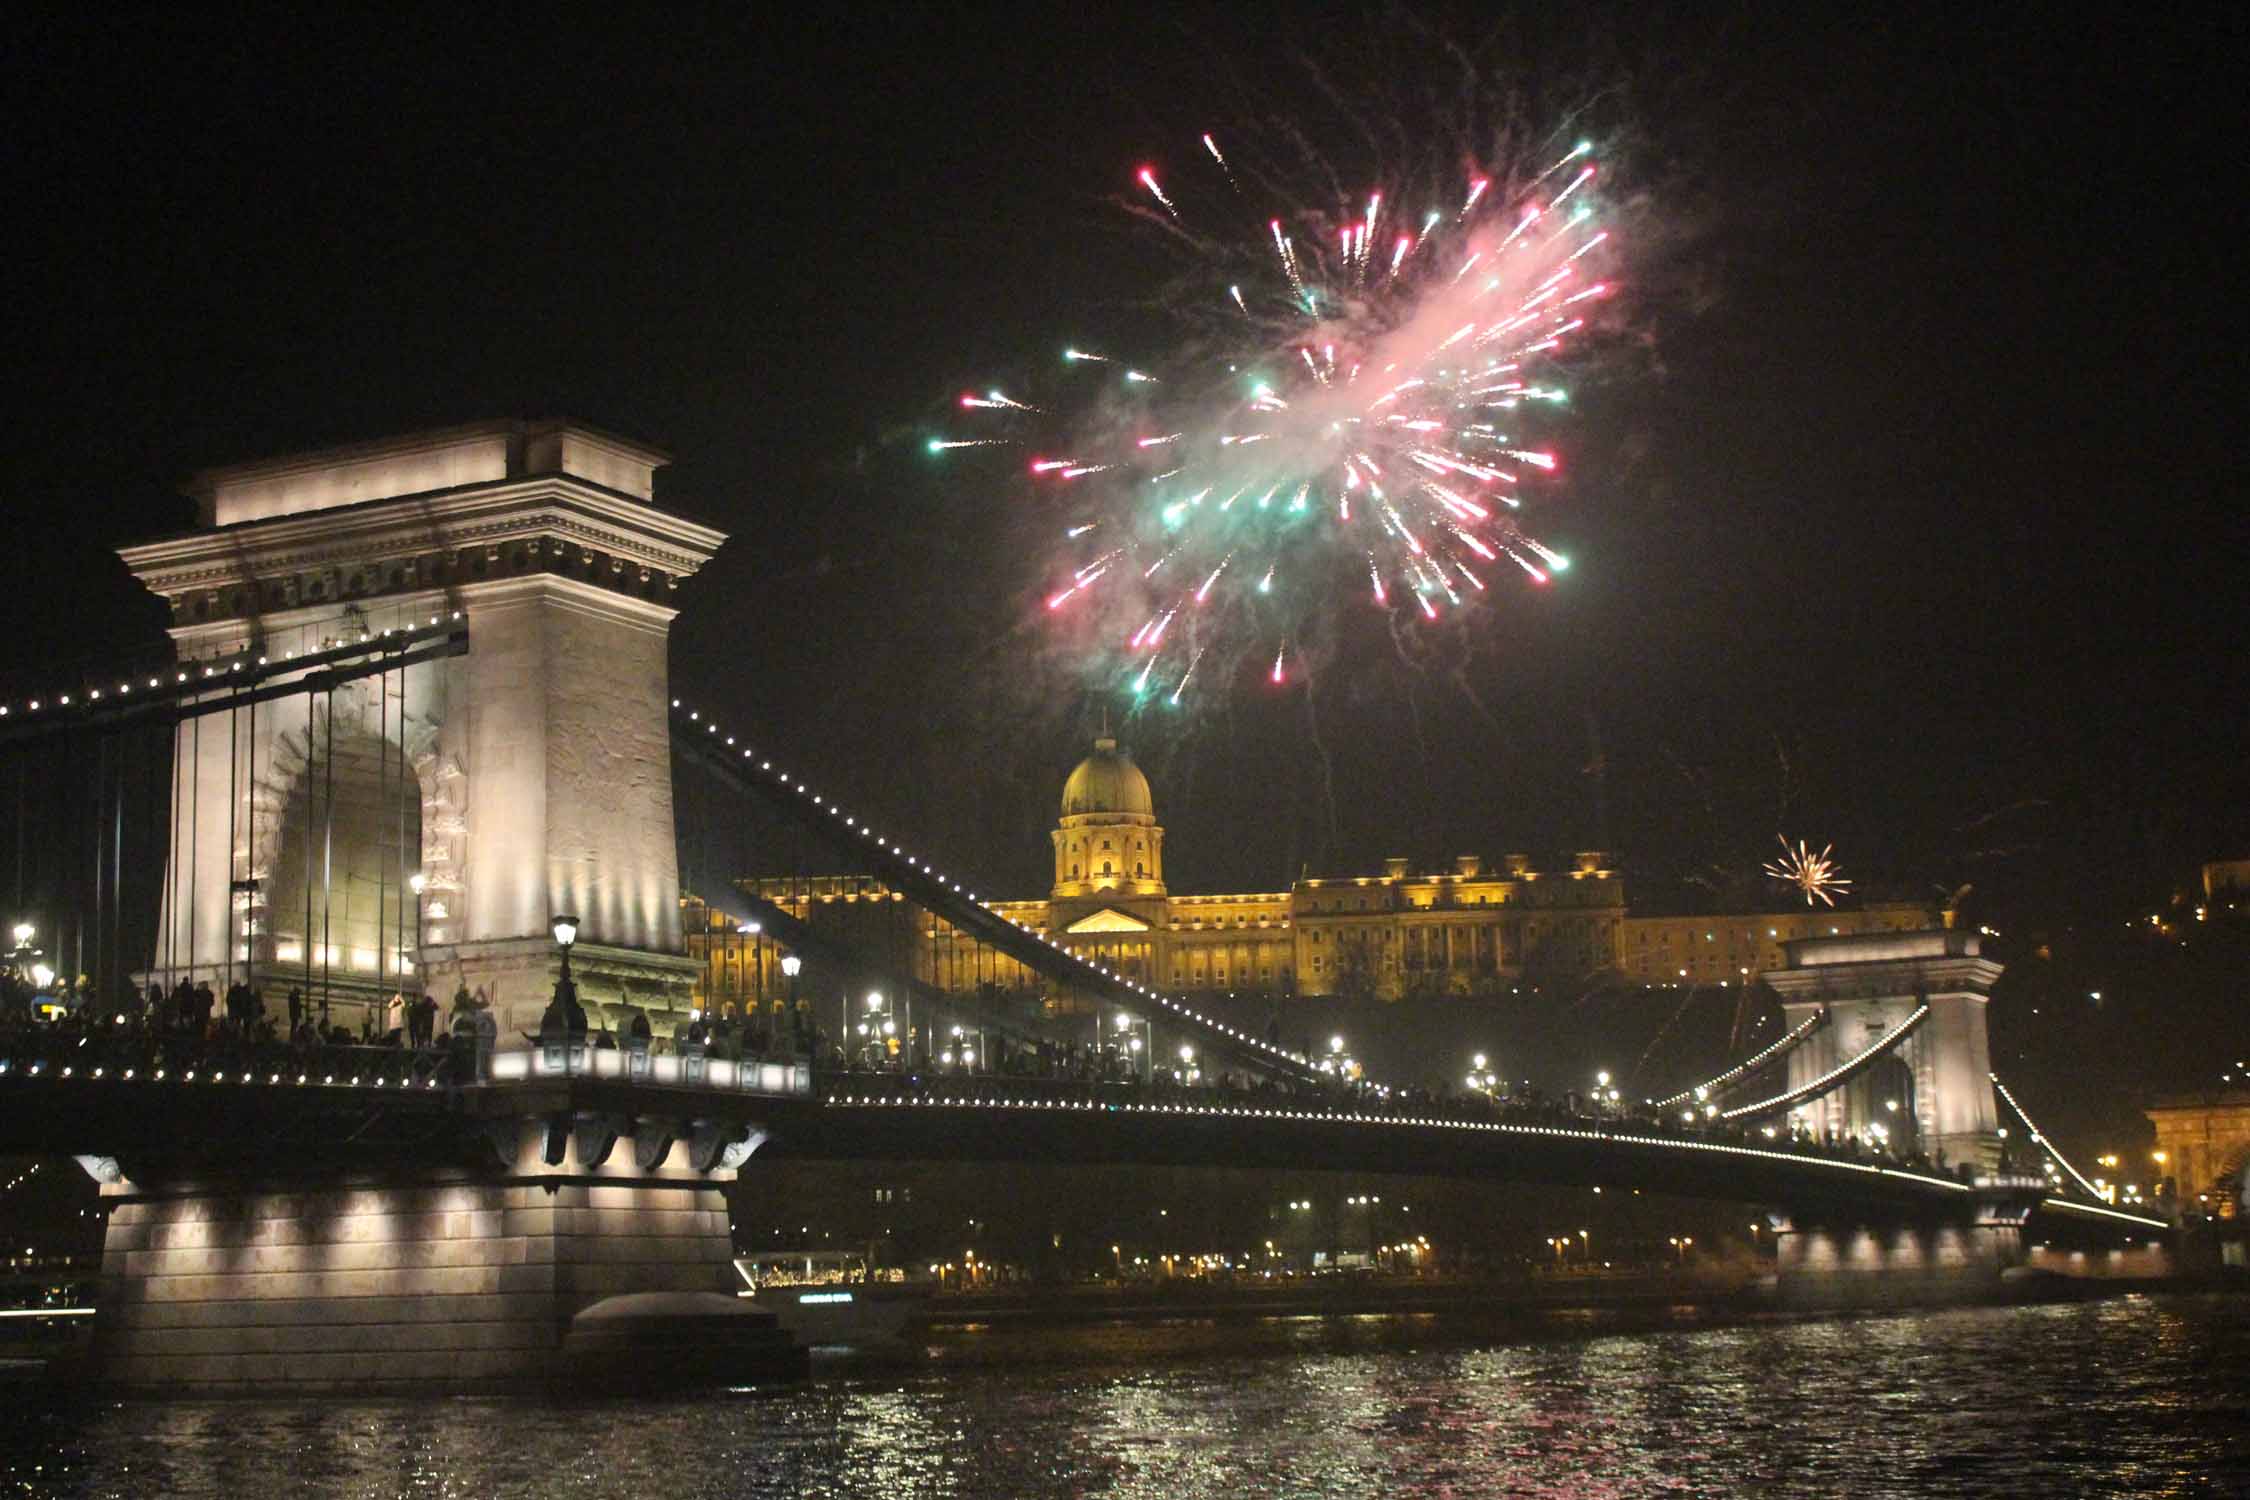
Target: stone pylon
(418,829)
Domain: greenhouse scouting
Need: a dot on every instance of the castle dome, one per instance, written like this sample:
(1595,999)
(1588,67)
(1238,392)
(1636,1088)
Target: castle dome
(1107,782)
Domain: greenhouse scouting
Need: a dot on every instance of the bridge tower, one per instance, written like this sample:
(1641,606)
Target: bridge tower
(1934,1089)
(528,777)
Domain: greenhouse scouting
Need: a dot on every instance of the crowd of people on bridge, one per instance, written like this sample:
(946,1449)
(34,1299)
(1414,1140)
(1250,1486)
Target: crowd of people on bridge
(193,1024)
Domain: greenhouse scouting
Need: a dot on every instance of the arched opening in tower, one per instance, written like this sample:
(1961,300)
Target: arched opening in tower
(339,914)
(1883,1104)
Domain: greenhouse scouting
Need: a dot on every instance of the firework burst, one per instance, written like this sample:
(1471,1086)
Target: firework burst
(1357,427)
(1817,876)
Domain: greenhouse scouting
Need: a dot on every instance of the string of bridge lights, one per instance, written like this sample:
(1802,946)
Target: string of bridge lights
(2039,1139)
(866,831)
(1833,1076)
(218,667)
(1749,1064)
(1361,1117)
(212,1075)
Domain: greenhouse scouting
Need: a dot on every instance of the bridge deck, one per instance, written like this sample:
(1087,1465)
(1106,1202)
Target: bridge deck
(407,1102)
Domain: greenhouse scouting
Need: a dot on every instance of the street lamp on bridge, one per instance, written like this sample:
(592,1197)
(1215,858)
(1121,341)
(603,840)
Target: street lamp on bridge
(23,959)
(564,1017)
(1138,1042)
(566,933)
(880,1028)
(790,964)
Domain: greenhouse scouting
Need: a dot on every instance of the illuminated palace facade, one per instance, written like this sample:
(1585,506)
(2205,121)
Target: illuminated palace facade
(1466,931)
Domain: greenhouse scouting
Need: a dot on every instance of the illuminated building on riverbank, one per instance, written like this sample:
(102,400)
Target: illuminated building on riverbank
(1470,930)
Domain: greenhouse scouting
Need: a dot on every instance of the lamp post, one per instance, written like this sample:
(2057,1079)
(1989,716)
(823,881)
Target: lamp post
(566,933)
(1482,1080)
(565,1017)
(880,1029)
(1132,1047)
(790,964)
(23,956)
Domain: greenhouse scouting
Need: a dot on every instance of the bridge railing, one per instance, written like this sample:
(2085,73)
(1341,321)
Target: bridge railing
(689,1068)
(126,1054)
(131,1054)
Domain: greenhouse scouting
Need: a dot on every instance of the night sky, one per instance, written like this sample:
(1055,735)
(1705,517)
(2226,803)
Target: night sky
(1915,471)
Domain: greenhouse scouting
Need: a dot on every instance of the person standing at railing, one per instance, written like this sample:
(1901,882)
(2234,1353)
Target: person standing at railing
(488,1039)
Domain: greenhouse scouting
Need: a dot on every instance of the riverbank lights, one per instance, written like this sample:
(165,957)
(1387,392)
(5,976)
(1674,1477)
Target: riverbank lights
(874,1000)
(1187,1053)
(1477,1062)
(23,932)
(1602,1078)
(1336,1044)
(1124,1022)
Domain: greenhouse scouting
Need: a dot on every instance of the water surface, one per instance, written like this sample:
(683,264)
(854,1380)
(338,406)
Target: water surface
(2135,1396)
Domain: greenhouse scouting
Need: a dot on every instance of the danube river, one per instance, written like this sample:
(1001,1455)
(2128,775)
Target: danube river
(2131,1396)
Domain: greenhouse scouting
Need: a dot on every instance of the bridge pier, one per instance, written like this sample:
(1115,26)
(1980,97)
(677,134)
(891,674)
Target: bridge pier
(1898,1264)
(2004,1230)
(586,1268)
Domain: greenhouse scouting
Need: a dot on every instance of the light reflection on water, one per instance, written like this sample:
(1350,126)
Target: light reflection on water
(2133,1396)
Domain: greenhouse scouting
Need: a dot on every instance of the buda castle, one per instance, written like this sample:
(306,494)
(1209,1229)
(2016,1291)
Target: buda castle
(1466,931)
